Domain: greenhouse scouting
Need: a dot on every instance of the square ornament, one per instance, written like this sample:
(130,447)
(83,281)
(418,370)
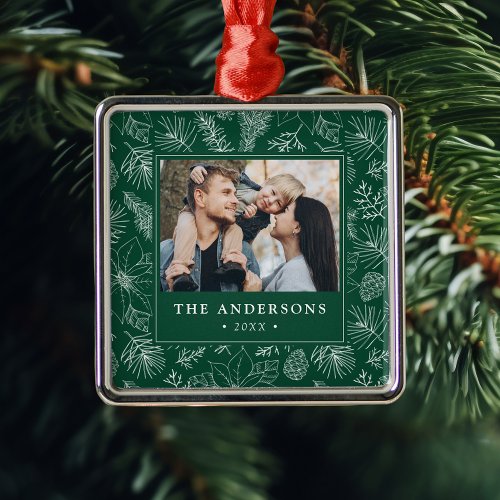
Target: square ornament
(249,254)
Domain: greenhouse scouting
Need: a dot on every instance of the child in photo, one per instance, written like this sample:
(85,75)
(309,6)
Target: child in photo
(256,205)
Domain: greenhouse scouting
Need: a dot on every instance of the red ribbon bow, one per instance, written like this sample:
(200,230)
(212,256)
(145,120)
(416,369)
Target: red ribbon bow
(248,68)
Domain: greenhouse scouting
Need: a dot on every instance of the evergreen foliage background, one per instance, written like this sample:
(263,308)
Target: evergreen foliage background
(58,59)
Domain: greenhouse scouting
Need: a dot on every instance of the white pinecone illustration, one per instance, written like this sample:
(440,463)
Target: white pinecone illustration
(372,286)
(296,365)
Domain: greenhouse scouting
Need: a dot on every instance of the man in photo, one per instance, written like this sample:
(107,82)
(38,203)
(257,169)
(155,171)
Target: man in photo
(214,204)
(255,205)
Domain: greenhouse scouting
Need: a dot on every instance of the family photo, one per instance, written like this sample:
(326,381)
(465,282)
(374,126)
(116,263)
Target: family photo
(249,225)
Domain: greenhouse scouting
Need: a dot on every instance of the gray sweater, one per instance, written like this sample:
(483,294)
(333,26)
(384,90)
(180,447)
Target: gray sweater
(292,276)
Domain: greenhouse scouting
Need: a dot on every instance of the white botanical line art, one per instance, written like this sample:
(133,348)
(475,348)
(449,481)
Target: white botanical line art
(142,356)
(308,119)
(138,166)
(372,246)
(174,379)
(329,149)
(327,129)
(337,359)
(175,135)
(138,130)
(186,357)
(113,175)
(221,348)
(376,168)
(118,117)
(372,286)
(319,383)
(143,213)
(351,170)
(225,115)
(137,319)
(240,371)
(131,284)
(363,379)
(372,205)
(267,351)
(253,124)
(383,380)
(130,384)
(286,142)
(284,117)
(114,364)
(352,262)
(296,365)
(117,221)
(377,357)
(213,134)
(367,138)
(367,327)
(352,217)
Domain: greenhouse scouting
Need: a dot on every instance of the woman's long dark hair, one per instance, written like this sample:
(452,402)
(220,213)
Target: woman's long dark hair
(317,242)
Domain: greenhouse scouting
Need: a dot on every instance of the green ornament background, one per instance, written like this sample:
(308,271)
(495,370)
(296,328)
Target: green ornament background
(350,346)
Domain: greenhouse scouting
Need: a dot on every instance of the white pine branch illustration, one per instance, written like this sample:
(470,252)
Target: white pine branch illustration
(142,357)
(253,124)
(286,142)
(267,351)
(174,379)
(337,359)
(175,134)
(376,168)
(377,358)
(225,115)
(367,327)
(363,379)
(138,166)
(186,357)
(213,134)
(143,213)
(351,170)
(117,221)
(372,205)
(367,137)
(372,246)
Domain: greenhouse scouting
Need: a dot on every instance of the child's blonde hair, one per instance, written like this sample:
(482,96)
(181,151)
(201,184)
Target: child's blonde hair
(289,186)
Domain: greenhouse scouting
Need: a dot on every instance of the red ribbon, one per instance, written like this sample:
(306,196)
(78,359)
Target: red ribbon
(248,68)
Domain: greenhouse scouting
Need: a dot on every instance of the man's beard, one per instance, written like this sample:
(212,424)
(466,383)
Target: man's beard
(222,220)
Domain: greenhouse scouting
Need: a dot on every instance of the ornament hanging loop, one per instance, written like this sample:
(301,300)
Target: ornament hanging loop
(248,67)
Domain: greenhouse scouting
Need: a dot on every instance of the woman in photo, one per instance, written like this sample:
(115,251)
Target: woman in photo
(306,233)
